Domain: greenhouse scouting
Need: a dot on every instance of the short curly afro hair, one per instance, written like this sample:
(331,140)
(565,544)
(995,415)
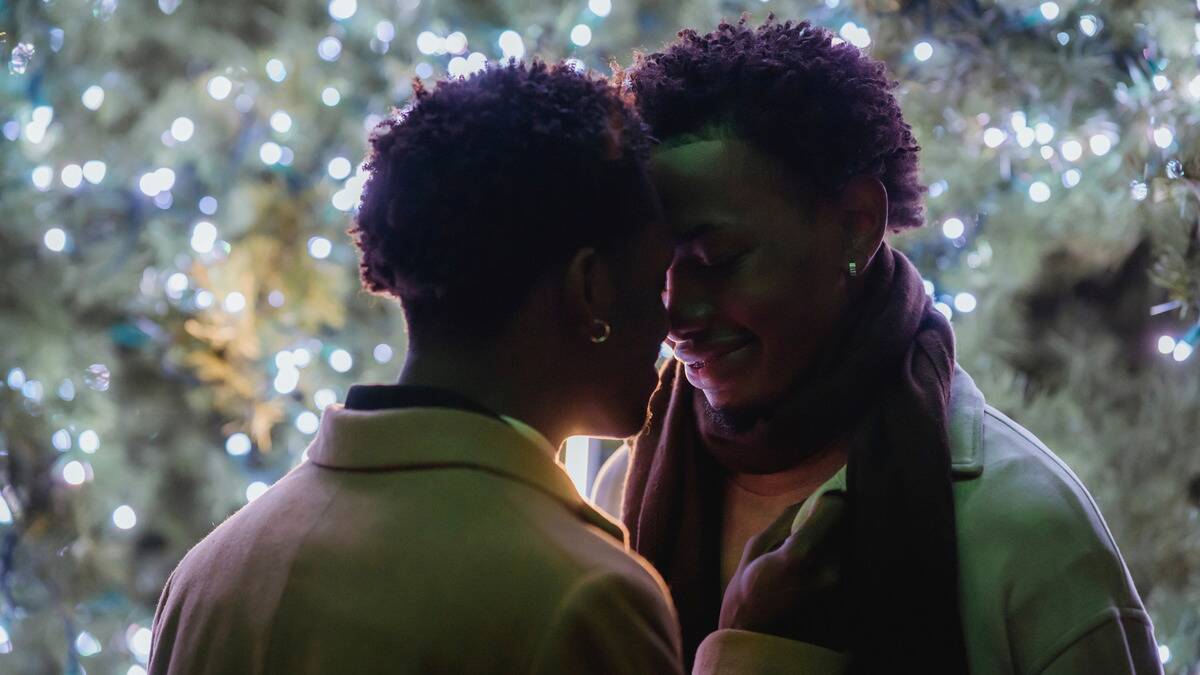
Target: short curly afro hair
(484,184)
(825,110)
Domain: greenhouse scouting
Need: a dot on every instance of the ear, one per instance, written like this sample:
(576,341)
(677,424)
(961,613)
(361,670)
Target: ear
(588,290)
(863,204)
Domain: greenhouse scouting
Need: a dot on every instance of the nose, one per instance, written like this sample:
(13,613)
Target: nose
(689,305)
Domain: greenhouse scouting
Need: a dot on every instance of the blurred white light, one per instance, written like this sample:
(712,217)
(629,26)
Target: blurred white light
(124,517)
(1026,136)
(423,70)
(86,644)
(94,171)
(965,302)
(135,670)
(385,31)
(42,115)
(1163,137)
(1182,351)
(1071,150)
(1194,87)
(301,357)
(511,44)
(1047,152)
(382,353)
(1164,654)
(856,35)
(1050,10)
(270,152)
(329,48)
(575,460)
(281,121)
(458,67)
(581,35)
(243,103)
(6,517)
(235,302)
(285,359)
(476,62)
(1039,192)
(342,9)
(928,285)
(204,299)
(953,228)
(1166,344)
(1044,131)
(286,380)
(165,179)
(600,7)
(61,440)
(923,51)
(307,422)
(576,65)
(276,70)
(139,642)
(339,168)
(148,184)
(993,137)
(319,247)
(204,235)
(275,298)
(1161,82)
(89,441)
(35,133)
(219,87)
(944,309)
(93,97)
(1017,119)
(340,360)
(43,177)
(330,96)
(12,130)
(1138,190)
(182,129)
(456,43)
(1071,178)
(1088,25)
(1100,144)
(428,42)
(255,490)
(75,473)
(55,239)
(16,378)
(324,398)
(237,444)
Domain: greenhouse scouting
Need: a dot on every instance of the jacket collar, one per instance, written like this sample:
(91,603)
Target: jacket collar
(966,426)
(424,438)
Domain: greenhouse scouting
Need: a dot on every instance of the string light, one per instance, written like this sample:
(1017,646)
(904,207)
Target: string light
(600,8)
(581,35)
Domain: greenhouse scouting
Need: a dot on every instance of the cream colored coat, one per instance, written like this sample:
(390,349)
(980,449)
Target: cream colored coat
(1044,589)
(416,540)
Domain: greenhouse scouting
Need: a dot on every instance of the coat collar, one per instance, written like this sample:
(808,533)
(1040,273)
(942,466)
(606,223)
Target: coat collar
(966,426)
(420,438)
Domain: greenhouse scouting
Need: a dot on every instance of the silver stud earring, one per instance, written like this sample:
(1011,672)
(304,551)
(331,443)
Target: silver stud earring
(852,268)
(605,330)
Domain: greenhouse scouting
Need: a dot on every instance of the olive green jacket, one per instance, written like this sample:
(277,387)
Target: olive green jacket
(1043,587)
(416,540)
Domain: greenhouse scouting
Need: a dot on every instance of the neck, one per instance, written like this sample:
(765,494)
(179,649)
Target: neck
(801,480)
(500,379)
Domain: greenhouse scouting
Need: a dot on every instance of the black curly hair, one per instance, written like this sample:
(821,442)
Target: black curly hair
(825,110)
(484,184)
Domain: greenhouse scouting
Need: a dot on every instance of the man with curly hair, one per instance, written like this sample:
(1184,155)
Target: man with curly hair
(430,529)
(821,486)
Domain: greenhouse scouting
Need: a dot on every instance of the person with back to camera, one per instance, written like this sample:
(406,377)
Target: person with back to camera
(430,529)
(822,487)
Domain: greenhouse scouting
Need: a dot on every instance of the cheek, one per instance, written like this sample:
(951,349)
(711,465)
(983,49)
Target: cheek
(794,316)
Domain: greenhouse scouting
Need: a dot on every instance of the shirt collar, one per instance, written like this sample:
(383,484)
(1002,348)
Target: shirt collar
(425,438)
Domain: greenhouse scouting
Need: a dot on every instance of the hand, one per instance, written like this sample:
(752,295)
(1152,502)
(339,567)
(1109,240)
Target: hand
(788,584)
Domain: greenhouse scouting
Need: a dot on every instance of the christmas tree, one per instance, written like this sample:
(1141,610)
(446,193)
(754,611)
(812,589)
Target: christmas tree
(179,300)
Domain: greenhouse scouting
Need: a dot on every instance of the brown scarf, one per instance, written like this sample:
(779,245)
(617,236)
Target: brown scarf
(887,380)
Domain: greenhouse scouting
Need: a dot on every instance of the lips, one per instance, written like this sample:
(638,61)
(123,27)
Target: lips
(697,355)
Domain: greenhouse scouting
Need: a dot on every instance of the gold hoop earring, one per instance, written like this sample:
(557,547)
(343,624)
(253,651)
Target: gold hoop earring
(605,331)
(852,268)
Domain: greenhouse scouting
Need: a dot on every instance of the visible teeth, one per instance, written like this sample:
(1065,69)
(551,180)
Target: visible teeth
(697,364)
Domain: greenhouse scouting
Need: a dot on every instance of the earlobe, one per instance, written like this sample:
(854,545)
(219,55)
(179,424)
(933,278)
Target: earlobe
(587,290)
(865,205)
